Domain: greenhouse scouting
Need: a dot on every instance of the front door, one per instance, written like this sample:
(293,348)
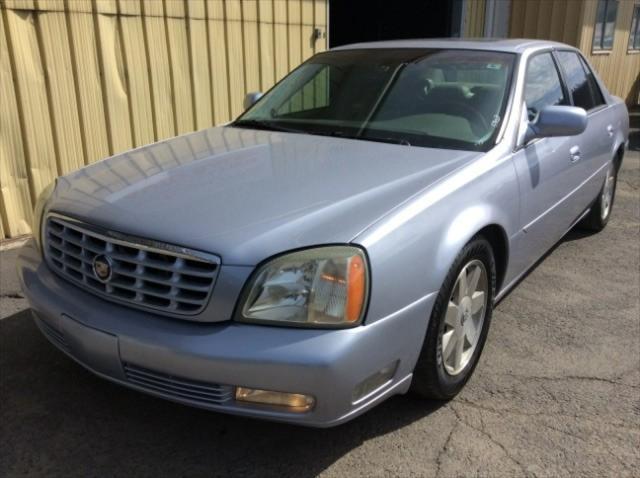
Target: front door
(546,169)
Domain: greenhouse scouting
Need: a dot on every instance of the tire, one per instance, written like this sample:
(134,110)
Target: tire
(436,375)
(600,212)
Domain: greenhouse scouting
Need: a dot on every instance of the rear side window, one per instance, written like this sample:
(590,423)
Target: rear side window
(542,86)
(580,81)
(598,99)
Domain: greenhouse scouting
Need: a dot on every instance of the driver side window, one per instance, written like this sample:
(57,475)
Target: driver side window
(542,85)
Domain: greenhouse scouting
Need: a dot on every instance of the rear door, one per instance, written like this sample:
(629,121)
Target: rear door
(596,143)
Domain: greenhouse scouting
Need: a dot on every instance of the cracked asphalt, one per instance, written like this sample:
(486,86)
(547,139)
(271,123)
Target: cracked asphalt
(556,393)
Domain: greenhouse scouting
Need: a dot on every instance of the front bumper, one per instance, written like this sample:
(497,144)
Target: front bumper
(212,359)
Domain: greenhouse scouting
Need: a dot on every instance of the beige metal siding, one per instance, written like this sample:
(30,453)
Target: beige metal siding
(619,68)
(83,79)
(473,20)
(572,22)
(557,20)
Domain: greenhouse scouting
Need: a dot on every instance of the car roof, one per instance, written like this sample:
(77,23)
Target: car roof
(513,45)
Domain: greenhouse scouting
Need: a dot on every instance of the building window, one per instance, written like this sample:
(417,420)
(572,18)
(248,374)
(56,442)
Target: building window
(496,19)
(634,32)
(605,26)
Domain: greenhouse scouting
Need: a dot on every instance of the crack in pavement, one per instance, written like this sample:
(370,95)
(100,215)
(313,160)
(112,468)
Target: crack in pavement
(550,394)
(628,184)
(565,432)
(445,446)
(591,378)
(484,432)
(582,439)
(546,413)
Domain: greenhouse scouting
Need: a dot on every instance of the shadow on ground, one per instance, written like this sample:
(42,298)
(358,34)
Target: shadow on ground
(83,425)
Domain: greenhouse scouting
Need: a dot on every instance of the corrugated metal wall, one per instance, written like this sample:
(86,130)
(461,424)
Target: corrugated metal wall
(473,18)
(84,79)
(557,20)
(619,68)
(572,22)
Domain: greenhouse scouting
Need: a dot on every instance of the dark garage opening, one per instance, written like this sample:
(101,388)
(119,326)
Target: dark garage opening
(360,21)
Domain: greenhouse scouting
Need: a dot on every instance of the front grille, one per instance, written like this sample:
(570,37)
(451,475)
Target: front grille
(144,274)
(179,388)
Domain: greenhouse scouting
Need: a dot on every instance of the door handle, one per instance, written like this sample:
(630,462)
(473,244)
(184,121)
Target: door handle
(610,131)
(574,154)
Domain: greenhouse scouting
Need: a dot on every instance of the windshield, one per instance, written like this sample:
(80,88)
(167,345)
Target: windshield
(424,97)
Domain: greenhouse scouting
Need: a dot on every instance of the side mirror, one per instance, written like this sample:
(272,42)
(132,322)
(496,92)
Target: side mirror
(557,121)
(251,98)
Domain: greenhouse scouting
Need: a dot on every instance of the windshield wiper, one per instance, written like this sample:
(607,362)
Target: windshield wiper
(271,126)
(379,139)
(386,139)
(264,125)
(337,134)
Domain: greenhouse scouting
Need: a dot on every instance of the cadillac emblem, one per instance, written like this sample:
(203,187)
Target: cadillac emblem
(102,268)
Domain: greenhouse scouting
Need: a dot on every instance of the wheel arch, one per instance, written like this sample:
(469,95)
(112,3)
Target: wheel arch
(483,219)
(497,237)
(619,154)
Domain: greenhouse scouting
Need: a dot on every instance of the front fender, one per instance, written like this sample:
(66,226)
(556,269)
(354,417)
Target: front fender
(412,248)
(463,227)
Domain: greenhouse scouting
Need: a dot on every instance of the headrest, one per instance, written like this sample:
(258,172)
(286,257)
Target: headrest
(444,93)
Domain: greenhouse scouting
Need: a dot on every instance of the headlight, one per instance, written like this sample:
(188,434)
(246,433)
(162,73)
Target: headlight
(321,287)
(38,211)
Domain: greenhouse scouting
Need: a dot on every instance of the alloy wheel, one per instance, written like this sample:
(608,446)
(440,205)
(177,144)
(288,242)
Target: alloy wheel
(607,194)
(464,317)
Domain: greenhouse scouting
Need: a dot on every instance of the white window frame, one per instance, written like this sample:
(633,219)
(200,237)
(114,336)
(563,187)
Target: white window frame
(497,14)
(600,48)
(633,44)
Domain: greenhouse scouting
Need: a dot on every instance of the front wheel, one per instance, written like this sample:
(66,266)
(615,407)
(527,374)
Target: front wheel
(459,323)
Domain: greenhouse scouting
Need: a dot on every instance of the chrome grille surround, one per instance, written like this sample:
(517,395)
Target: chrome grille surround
(145,274)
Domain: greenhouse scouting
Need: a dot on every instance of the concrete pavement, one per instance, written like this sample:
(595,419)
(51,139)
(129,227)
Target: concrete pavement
(11,298)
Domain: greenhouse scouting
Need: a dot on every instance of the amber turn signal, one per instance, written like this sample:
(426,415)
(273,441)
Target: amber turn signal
(356,291)
(292,402)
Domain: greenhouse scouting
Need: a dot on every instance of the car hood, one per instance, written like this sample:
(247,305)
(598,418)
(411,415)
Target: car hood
(246,194)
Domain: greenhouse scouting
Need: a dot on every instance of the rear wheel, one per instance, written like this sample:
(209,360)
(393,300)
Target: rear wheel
(459,323)
(600,213)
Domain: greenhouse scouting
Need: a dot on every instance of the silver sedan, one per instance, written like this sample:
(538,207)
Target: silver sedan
(342,241)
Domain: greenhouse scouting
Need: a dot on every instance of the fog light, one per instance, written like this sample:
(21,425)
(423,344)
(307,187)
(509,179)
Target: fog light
(374,382)
(293,402)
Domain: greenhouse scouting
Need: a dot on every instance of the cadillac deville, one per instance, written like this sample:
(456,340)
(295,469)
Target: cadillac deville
(342,241)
